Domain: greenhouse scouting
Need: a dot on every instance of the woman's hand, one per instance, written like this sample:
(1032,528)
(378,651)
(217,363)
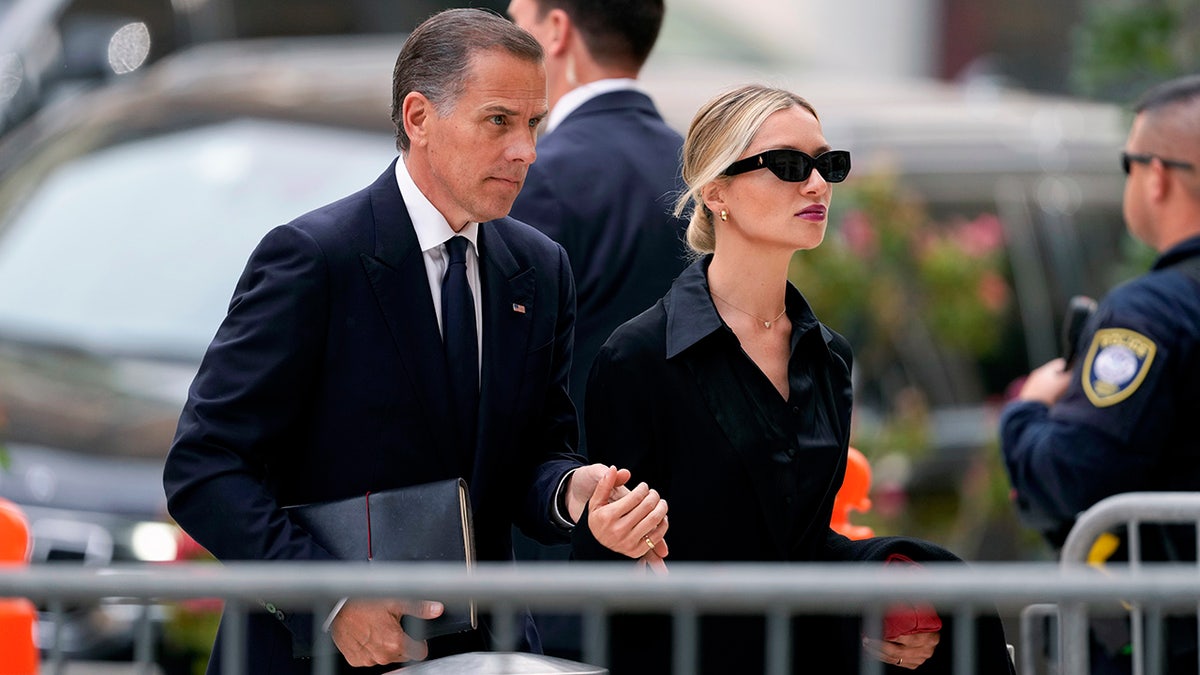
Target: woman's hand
(653,562)
(630,522)
(907,651)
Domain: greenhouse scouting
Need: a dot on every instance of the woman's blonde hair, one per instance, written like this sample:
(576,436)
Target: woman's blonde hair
(719,133)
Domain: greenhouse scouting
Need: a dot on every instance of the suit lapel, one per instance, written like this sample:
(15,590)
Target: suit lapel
(398,278)
(508,309)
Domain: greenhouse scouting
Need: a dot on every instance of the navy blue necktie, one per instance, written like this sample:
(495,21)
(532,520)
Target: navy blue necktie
(462,353)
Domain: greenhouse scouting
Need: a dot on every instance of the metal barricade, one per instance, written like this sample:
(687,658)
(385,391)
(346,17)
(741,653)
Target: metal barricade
(1129,511)
(689,591)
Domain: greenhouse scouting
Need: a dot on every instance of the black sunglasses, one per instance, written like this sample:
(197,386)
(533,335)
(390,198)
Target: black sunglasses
(1128,158)
(794,166)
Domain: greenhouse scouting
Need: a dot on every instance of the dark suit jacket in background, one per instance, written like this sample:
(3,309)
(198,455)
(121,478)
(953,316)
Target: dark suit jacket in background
(604,186)
(327,379)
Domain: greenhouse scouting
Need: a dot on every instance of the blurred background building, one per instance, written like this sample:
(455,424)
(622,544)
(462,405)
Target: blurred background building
(1105,48)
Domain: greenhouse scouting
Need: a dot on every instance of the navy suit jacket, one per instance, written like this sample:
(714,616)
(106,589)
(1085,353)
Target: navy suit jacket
(604,186)
(327,379)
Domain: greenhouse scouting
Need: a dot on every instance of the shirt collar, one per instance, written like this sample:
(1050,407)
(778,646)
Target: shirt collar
(571,100)
(692,316)
(1184,249)
(429,223)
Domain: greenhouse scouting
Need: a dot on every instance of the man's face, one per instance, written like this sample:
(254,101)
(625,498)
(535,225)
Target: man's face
(478,153)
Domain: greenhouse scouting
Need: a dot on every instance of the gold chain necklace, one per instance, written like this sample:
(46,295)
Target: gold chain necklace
(765,322)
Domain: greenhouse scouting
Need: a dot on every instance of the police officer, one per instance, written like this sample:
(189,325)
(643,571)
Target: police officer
(1123,417)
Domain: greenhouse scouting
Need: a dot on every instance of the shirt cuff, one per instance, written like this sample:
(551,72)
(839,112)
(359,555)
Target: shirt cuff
(558,509)
(333,614)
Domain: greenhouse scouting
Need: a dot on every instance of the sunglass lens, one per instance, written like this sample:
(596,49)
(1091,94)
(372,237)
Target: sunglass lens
(790,165)
(834,165)
(794,166)
(1125,163)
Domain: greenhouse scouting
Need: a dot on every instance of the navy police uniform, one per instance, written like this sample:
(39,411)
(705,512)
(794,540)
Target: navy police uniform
(1128,420)
(1126,423)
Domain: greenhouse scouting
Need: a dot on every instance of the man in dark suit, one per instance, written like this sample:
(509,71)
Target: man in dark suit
(607,173)
(340,366)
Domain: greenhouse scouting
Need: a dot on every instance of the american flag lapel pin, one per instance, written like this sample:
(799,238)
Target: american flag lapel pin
(519,309)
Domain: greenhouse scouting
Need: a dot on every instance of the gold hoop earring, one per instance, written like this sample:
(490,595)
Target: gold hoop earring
(724,215)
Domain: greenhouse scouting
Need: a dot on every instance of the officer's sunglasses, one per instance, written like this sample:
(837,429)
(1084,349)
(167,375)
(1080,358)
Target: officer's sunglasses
(1128,158)
(794,166)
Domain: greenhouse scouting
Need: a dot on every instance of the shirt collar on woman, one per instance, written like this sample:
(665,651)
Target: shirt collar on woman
(691,315)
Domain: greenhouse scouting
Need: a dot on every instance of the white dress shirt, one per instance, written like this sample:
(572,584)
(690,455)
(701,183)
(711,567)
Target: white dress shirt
(584,93)
(432,234)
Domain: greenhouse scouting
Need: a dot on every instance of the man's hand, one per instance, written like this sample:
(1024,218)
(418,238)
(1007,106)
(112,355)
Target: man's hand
(582,484)
(630,522)
(368,632)
(1046,384)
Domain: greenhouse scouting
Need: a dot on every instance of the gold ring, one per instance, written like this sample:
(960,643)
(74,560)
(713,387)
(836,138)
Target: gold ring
(649,542)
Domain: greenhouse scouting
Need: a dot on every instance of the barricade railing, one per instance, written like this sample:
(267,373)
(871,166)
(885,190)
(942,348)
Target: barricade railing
(1127,511)
(776,591)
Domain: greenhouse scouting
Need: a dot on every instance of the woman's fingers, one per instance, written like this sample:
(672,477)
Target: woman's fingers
(906,651)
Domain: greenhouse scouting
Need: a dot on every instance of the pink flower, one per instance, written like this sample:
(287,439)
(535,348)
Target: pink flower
(981,236)
(993,291)
(859,235)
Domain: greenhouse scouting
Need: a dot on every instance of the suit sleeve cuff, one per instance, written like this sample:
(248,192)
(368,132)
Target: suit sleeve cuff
(559,515)
(333,614)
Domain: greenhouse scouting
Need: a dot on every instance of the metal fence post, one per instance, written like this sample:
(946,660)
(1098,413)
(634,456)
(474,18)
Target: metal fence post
(233,647)
(684,634)
(779,642)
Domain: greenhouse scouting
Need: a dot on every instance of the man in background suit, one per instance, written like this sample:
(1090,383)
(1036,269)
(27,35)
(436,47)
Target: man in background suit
(603,187)
(608,165)
(335,371)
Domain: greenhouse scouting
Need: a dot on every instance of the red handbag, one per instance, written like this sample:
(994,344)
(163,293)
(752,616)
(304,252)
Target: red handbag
(906,619)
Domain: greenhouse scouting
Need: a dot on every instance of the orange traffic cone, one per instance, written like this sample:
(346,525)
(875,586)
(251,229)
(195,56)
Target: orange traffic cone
(854,495)
(18,616)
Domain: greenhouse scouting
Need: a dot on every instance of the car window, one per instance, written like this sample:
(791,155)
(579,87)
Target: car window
(135,248)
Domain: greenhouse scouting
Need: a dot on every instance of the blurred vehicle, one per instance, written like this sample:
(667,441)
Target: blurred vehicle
(52,49)
(126,215)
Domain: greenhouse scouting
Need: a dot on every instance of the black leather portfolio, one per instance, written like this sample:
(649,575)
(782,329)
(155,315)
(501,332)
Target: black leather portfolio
(421,523)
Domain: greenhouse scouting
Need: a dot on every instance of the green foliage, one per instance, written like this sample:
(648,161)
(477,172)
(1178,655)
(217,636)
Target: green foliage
(191,626)
(188,636)
(916,296)
(904,288)
(1136,258)
(1122,47)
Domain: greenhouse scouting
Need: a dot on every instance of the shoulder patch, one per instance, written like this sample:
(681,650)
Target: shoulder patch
(1116,365)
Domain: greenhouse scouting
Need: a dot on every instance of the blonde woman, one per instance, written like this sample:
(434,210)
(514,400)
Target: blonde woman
(733,401)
